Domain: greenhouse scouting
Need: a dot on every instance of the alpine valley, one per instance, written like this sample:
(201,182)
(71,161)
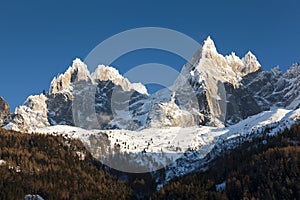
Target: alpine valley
(222,115)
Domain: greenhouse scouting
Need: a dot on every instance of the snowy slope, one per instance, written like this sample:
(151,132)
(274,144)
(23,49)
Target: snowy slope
(275,121)
(179,150)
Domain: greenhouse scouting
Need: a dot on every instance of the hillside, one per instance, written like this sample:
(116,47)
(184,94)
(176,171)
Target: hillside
(266,168)
(54,168)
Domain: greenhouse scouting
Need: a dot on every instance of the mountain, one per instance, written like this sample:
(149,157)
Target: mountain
(215,79)
(216,104)
(76,84)
(274,88)
(212,89)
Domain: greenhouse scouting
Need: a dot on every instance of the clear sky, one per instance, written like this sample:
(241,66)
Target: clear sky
(39,39)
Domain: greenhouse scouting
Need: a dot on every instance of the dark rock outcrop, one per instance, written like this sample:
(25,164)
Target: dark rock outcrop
(5,114)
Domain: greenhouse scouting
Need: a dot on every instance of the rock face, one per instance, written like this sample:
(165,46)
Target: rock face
(211,89)
(77,72)
(78,98)
(104,73)
(274,88)
(169,114)
(217,82)
(32,114)
(5,114)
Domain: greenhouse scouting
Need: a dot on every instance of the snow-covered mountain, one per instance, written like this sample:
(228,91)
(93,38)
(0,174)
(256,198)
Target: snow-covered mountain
(212,89)
(214,79)
(230,89)
(215,103)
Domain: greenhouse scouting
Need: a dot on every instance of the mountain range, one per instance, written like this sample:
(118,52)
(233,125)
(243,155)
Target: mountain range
(216,103)
(208,83)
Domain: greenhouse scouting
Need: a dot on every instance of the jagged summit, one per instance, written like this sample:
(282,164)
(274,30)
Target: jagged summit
(250,54)
(106,73)
(233,66)
(293,71)
(276,71)
(209,45)
(77,72)
(251,64)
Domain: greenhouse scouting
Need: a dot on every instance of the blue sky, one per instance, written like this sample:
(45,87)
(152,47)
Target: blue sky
(39,39)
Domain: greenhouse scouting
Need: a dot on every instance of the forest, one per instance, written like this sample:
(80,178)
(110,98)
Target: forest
(54,168)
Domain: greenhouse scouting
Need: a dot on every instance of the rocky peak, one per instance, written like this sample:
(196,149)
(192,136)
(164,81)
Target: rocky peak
(251,64)
(33,112)
(106,73)
(77,72)
(276,71)
(214,77)
(233,58)
(250,56)
(214,66)
(209,44)
(208,48)
(234,62)
(293,71)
